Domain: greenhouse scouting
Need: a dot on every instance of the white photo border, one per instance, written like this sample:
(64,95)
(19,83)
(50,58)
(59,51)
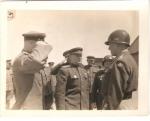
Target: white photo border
(139,5)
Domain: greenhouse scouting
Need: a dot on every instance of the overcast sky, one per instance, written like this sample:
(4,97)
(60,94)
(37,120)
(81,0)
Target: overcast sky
(67,29)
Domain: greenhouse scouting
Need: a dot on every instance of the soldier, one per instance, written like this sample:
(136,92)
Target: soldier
(100,83)
(123,78)
(49,88)
(9,84)
(72,88)
(51,64)
(92,69)
(26,67)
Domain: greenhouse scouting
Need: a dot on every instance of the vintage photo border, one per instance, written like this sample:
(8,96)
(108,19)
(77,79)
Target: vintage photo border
(142,6)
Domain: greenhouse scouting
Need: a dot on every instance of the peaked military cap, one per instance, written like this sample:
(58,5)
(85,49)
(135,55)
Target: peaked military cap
(77,50)
(51,63)
(66,53)
(90,57)
(9,60)
(37,36)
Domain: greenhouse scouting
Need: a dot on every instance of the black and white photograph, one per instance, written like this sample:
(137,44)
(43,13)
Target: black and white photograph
(72,60)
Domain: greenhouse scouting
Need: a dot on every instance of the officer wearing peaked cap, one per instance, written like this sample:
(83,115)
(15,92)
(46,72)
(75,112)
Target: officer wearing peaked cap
(29,62)
(123,79)
(72,88)
(92,69)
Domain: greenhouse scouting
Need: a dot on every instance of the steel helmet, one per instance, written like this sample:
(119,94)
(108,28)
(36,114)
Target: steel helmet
(108,58)
(119,37)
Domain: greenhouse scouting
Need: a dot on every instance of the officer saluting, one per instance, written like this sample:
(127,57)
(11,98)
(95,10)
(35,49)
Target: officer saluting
(55,69)
(123,79)
(72,88)
(31,60)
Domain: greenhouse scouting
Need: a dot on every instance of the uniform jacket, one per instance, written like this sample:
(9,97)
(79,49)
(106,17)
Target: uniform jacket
(9,80)
(24,68)
(91,70)
(123,79)
(100,86)
(72,88)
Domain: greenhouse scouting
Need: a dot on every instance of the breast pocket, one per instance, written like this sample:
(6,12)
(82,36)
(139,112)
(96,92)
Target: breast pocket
(74,80)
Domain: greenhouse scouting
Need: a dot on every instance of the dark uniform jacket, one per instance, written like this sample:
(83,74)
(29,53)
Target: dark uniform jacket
(72,88)
(24,67)
(123,79)
(98,84)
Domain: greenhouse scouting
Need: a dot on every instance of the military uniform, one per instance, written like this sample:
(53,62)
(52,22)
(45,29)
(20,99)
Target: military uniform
(25,66)
(100,83)
(123,79)
(56,68)
(9,87)
(72,88)
(97,90)
(91,70)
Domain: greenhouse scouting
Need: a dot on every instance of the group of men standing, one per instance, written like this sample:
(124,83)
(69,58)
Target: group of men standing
(76,87)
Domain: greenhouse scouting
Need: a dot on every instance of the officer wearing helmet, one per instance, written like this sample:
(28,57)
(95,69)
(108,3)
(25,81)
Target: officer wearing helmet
(100,83)
(123,78)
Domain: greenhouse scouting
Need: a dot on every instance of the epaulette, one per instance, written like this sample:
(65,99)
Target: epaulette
(81,65)
(121,56)
(86,66)
(95,65)
(120,64)
(65,66)
(26,53)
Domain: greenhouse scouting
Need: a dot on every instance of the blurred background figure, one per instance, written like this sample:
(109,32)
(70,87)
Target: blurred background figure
(49,88)
(50,64)
(100,83)
(91,69)
(9,84)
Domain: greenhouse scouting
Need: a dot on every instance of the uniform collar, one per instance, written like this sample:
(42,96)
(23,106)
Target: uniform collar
(126,51)
(25,52)
(77,65)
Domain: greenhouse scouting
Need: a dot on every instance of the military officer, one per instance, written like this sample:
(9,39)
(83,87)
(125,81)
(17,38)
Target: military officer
(72,88)
(100,83)
(123,78)
(92,69)
(9,84)
(25,68)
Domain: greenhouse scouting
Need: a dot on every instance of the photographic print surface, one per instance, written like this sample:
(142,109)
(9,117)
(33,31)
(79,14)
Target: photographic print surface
(99,71)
